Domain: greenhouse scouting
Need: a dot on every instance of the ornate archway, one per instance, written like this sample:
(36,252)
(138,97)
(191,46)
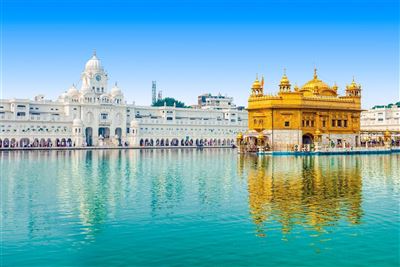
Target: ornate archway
(307,139)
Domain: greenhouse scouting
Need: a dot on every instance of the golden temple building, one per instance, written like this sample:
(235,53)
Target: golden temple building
(303,115)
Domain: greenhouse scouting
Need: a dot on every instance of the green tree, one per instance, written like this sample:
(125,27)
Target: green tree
(169,101)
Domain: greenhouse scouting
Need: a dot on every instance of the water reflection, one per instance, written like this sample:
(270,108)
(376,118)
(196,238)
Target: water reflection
(83,192)
(314,193)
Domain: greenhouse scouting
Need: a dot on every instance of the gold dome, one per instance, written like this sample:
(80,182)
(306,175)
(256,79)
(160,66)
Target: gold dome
(285,80)
(353,85)
(315,83)
(256,84)
(317,86)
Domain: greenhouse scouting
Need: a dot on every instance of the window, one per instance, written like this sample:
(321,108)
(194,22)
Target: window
(333,123)
(345,123)
(339,123)
(303,123)
(287,124)
(104,116)
(312,123)
(323,124)
(307,123)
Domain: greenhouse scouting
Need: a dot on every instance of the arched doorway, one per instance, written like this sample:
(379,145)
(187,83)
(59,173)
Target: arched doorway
(118,133)
(89,136)
(24,142)
(104,132)
(307,139)
(42,142)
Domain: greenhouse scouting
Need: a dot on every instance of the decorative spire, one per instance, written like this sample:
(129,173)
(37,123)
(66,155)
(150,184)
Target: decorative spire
(315,74)
(116,84)
(256,76)
(335,87)
(284,85)
(94,52)
(262,82)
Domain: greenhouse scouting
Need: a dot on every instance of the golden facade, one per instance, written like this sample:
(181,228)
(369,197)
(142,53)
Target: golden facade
(304,115)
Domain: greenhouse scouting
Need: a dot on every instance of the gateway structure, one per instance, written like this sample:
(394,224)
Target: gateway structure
(314,113)
(93,115)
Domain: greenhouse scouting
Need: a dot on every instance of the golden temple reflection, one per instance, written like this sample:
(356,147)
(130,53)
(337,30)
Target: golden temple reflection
(311,192)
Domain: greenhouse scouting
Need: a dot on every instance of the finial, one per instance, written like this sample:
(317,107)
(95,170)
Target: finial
(116,84)
(262,82)
(315,73)
(353,79)
(94,52)
(284,71)
(257,76)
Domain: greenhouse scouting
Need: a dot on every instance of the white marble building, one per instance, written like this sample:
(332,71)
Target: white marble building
(376,121)
(96,116)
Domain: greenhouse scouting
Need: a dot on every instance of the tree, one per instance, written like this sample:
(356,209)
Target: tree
(169,101)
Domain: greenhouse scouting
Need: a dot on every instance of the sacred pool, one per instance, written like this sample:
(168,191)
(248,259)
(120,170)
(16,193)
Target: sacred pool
(208,207)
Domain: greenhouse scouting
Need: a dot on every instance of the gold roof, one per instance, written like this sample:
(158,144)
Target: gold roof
(353,85)
(256,83)
(315,83)
(284,80)
(317,86)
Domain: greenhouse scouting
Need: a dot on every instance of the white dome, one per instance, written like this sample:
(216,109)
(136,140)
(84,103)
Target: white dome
(72,91)
(77,122)
(63,95)
(93,64)
(115,90)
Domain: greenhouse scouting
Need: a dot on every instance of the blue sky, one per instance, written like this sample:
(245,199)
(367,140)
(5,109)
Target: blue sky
(193,47)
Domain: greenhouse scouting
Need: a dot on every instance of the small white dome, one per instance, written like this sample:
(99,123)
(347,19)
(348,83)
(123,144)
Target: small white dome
(77,122)
(115,90)
(93,64)
(63,95)
(72,91)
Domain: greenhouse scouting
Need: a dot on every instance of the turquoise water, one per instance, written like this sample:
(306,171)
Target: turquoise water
(198,207)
